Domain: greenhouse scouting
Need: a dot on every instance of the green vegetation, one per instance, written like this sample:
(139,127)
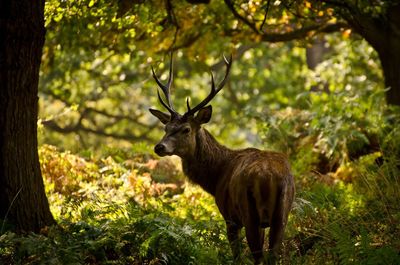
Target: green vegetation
(115,202)
(125,212)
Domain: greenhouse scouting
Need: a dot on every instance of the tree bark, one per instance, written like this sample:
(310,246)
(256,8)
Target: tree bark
(385,39)
(383,34)
(23,201)
(389,56)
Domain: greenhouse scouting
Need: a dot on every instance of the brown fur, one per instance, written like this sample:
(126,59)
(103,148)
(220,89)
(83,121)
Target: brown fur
(252,188)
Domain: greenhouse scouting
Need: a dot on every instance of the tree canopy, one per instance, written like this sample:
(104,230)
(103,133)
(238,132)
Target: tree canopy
(98,81)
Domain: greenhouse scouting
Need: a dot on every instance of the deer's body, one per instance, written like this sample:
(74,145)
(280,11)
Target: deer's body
(253,189)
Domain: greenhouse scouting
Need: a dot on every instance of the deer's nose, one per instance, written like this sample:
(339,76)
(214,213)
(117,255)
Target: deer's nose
(159,149)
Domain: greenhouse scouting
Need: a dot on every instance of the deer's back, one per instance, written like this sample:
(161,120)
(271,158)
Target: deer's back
(254,181)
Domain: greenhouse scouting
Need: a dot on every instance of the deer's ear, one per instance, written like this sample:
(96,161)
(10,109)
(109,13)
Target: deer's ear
(163,117)
(204,115)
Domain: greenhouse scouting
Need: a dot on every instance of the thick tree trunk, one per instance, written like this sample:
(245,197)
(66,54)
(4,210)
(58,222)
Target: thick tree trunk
(390,61)
(23,201)
(390,54)
(383,34)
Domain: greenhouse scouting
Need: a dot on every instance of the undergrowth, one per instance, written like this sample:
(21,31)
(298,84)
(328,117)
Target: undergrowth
(115,213)
(138,210)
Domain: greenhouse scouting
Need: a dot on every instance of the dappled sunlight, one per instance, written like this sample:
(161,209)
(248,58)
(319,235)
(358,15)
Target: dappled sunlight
(306,80)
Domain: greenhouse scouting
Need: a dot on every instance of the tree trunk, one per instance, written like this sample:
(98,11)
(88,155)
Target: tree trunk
(314,56)
(390,54)
(23,201)
(390,61)
(384,36)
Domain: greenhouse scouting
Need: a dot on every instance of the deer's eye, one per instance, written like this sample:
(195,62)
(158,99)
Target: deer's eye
(186,130)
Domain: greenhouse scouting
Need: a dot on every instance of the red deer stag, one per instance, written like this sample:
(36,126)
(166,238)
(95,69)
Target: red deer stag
(252,188)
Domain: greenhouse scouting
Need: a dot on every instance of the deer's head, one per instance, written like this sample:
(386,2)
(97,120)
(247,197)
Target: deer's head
(181,130)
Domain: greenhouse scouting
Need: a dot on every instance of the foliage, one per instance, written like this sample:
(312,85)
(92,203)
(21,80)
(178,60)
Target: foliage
(96,87)
(143,239)
(332,123)
(116,213)
(116,204)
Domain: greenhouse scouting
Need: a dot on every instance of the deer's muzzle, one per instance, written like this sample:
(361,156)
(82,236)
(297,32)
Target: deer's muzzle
(162,149)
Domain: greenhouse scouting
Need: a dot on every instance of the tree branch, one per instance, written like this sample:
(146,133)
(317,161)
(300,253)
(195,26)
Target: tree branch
(101,131)
(116,117)
(252,25)
(303,32)
(265,15)
(369,27)
(78,127)
(186,43)
(292,35)
(342,4)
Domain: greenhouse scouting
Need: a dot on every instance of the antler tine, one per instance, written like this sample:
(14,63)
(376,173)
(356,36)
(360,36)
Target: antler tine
(214,90)
(228,68)
(166,88)
(171,110)
(187,104)
(170,79)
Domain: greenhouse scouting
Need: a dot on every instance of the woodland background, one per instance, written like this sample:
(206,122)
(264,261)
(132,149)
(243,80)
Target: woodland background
(317,80)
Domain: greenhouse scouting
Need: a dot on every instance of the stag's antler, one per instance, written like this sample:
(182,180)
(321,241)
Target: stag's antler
(166,89)
(214,91)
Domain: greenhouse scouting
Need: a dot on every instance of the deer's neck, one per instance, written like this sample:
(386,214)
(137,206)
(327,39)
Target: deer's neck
(206,166)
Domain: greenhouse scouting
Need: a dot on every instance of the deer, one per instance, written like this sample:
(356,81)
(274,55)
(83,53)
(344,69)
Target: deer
(253,189)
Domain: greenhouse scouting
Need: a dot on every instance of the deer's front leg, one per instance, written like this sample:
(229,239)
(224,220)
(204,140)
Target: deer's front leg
(233,231)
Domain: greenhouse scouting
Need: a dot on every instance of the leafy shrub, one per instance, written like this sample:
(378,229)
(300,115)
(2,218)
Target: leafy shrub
(143,238)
